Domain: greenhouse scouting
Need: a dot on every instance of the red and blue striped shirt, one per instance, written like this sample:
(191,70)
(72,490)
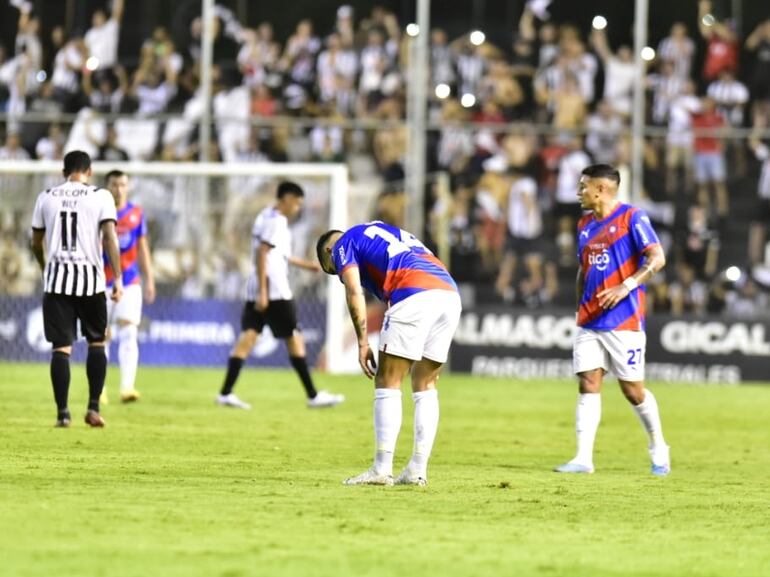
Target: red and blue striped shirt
(131,227)
(392,263)
(609,251)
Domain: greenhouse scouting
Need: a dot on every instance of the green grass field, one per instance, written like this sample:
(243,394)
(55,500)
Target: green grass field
(175,486)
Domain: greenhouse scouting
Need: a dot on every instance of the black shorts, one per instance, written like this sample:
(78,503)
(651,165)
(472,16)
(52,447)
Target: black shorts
(62,312)
(280,316)
(762,213)
(524,246)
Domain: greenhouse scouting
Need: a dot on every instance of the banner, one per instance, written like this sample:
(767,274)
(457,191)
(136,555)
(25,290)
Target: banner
(524,344)
(173,332)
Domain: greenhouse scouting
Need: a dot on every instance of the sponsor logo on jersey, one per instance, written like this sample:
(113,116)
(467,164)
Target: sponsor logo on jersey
(600,261)
(642,234)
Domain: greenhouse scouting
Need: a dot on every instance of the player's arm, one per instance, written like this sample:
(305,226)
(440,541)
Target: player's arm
(305,264)
(112,249)
(654,261)
(36,245)
(579,287)
(354,295)
(145,266)
(262,297)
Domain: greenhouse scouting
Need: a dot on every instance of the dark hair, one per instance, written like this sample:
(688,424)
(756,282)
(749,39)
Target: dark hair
(602,171)
(289,187)
(321,244)
(113,174)
(76,161)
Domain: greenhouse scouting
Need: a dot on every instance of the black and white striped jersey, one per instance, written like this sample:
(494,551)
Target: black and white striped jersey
(71,215)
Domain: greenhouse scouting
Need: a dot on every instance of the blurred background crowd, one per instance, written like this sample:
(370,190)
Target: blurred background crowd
(513,120)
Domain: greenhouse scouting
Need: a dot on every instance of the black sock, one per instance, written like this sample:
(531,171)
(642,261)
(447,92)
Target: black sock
(300,365)
(234,365)
(96,370)
(60,379)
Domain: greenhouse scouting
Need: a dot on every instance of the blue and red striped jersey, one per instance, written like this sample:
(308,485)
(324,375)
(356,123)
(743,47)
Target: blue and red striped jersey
(131,227)
(609,251)
(392,263)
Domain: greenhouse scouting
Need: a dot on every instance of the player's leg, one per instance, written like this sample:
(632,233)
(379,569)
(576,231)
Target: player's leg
(128,315)
(92,312)
(628,359)
(391,370)
(282,318)
(590,363)
(425,374)
(252,323)
(59,320)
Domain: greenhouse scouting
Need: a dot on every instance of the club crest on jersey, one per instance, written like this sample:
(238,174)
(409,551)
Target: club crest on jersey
(600,260)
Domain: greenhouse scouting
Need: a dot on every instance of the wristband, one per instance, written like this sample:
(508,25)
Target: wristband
(630,283)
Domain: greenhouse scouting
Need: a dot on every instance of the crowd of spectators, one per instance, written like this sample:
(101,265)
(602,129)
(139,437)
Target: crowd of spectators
(513,205)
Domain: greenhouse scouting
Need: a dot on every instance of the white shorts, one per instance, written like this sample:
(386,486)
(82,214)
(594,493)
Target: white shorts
(128,308)
(621,352)
(421,326)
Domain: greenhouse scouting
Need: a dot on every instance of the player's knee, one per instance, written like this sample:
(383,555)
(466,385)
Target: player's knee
(590,383)
(634,392)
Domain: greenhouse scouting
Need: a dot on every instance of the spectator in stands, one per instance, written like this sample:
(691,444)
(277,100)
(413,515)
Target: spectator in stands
(106,97)
(108,149)
(687,293)
(731,96)
(28,44)
(679,139)
(103,37)
(12,150)
(722,43)
(759,42)
(374,61)
(442,67)
(567,208)
(619,73)
(152,89)
(747,300)
(43,104)
(710,170)
(678,49)
(603,134)
(760,222)
(69,61)
(51,146)
(337,67)
(524,231)
(666,87)
(700,248)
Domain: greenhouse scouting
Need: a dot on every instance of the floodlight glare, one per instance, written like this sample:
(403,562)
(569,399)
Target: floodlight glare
(442,91)
(92,63)
(708,20)
(733,273)
(412,29)
(599,22)
(648,53)
(478,37)
(41,76)
(468,100)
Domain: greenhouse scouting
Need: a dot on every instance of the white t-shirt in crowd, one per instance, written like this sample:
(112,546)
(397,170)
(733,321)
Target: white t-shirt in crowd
(102,42)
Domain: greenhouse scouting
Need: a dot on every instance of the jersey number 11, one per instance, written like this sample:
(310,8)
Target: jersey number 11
(70,244)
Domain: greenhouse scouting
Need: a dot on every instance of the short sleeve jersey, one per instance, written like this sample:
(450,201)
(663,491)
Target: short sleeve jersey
(71,215)
(609,251)
(131,227)
(271,227)
(392,263)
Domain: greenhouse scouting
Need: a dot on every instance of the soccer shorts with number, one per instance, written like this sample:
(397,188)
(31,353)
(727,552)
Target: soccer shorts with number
(621,352)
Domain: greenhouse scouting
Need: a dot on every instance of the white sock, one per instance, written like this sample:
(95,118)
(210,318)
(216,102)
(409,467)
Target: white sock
(648,414)
(587,416)
(128,356)
(426,415)
(387,424)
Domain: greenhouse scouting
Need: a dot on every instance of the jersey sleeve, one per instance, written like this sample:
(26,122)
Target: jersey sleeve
(142,231)
(38,223)
(642,233)
(108,210)
(344,254)
(271,230)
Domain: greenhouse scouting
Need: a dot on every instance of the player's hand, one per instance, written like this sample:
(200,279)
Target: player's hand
(261,304)
(117,292)
(366,360)
(608,298)
(149,292)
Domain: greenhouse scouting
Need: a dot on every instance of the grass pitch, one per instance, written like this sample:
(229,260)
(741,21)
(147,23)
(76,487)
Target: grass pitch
(176,486)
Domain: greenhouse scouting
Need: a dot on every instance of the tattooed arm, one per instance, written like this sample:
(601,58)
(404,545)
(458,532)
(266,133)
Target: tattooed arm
(354,295)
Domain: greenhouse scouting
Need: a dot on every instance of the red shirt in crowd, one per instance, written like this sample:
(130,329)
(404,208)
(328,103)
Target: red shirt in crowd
(720,55)
(708,143)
